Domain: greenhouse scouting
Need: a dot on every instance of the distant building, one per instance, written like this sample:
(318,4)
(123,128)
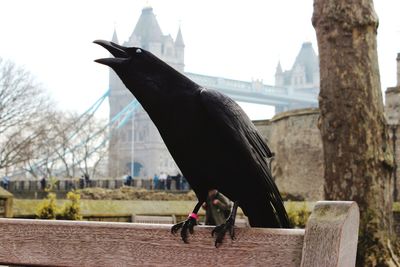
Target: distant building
(150,155)
(304,75)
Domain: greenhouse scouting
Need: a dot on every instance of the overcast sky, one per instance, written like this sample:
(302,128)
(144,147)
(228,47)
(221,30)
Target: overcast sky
(235,39)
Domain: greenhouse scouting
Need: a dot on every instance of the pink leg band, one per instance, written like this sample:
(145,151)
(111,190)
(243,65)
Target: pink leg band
(194,216)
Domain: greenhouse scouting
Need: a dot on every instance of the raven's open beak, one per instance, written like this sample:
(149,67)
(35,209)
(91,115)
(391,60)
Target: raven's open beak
(116,50)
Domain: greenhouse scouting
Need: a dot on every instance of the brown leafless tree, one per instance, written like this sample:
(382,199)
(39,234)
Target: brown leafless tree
(22,104)
(50,149)
(73,146)
(92,147)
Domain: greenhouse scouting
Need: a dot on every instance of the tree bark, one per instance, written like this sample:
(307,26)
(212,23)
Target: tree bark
(357,154)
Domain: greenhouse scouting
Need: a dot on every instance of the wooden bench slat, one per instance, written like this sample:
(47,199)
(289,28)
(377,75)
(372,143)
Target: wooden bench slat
(67,243)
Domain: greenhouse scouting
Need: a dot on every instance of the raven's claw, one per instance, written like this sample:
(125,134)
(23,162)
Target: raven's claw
(176,227)
(220,231)
(186,226)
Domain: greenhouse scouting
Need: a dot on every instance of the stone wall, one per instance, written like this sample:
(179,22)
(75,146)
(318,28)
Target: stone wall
(392,112)
(392,105)
(295,139)
(394,134)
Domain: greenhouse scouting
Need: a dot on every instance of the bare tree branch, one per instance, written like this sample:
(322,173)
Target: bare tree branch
(22,105)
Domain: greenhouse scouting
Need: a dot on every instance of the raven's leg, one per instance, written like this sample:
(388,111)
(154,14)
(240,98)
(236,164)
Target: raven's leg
(188,224)
(229,225)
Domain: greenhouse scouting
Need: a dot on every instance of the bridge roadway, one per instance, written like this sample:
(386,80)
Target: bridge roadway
(257,92)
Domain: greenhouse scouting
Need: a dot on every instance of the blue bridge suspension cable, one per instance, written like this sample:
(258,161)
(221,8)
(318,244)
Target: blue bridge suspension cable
(118,121)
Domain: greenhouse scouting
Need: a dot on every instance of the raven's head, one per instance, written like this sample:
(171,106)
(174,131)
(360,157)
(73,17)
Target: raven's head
(149,79)
(134,60)
(139,68)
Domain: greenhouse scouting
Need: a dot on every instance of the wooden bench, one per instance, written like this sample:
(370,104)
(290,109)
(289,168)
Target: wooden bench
(330,239)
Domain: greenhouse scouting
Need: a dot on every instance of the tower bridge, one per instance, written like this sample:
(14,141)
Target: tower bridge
(258,93)
(138,142)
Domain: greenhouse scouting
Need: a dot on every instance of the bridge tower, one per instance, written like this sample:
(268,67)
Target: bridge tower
(138,143)
(303,77)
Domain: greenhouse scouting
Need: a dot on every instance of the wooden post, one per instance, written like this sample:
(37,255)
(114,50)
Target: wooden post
(6,203)
(331,235)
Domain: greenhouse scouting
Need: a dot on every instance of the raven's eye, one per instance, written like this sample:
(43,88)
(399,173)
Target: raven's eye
(138,51)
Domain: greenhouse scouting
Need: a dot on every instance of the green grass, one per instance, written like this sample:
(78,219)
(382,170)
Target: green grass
(26,207)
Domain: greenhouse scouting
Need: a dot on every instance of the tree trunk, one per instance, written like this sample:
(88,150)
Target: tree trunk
(357,153)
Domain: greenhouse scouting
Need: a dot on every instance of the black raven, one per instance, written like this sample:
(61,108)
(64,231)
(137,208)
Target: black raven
(212,140)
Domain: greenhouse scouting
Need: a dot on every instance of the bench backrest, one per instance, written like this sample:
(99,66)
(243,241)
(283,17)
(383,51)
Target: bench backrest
(330,239)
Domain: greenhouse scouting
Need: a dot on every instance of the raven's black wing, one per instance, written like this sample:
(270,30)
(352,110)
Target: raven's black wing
(235,125)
